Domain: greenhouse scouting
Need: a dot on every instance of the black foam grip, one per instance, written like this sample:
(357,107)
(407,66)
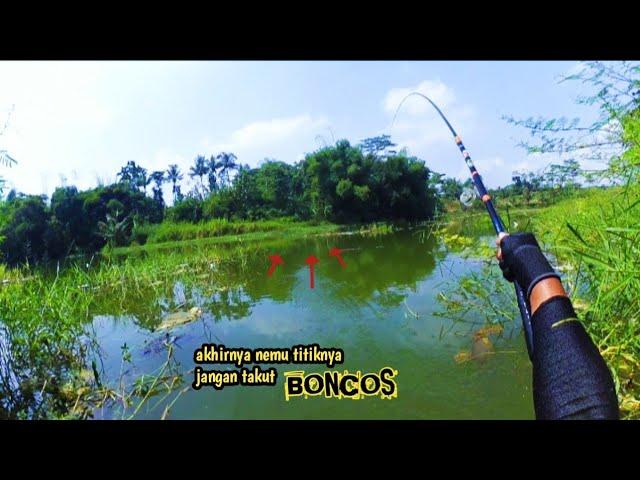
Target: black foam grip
(570,378)
(524,262)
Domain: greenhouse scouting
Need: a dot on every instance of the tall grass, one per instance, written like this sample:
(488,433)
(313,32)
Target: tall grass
(41,342)
(593,237)
(45,346)
(171,231)
(598,236)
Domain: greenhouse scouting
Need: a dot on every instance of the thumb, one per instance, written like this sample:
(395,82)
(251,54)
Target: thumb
(499,239)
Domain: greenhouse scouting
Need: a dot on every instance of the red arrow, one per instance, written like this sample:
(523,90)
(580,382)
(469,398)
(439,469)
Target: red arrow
(311,260)
(275,261)
(336,252)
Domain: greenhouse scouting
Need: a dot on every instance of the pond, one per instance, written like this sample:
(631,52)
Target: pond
(380,309)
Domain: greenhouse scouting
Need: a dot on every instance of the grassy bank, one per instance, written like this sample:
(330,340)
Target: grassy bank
(168,235)
(45,360)
(168,231)
(595,239)
(599,237)
(45,349)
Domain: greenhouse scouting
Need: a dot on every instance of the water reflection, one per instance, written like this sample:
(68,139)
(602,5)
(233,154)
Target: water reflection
(380,269)
(375,265)
(362,308)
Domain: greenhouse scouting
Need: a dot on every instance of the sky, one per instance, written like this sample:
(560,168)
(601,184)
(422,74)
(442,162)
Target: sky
(78,123)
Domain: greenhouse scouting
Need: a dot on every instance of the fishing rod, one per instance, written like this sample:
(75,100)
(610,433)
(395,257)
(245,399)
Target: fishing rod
(498,226)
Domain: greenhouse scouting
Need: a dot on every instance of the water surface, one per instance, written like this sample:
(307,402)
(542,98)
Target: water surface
(379,310)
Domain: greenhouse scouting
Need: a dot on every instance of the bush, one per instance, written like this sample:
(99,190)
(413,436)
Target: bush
(187,210)
(32,232)
(24,233)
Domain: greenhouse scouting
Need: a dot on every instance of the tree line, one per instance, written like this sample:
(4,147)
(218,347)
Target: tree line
(342,183)
(565,177)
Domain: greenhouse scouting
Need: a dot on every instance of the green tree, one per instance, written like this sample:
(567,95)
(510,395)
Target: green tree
(376,146)
(174,176)
(199,169)
(66,208)
(213,166)
(342,184)
(23,235)
(452,188)
(227,164)
(188,209)
(616,93)
(115,232)
(158,179)
(628,165)
(142,180)
(274,182)
(134,175)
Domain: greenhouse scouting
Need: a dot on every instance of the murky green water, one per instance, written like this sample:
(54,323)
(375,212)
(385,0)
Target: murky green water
(365,309)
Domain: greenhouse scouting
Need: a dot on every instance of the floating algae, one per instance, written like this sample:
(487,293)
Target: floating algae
(481,345)
(86,375)
(490,330)
(179,318)
(462,356)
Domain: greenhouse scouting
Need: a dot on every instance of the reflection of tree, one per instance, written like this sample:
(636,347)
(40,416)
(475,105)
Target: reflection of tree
(377,268)
(383,267)
(389,298)
(146,308)
(34,382)
(230,304)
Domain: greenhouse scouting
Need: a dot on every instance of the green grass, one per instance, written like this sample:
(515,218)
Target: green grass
(214,237)
(44,346)
(43,342)
(594,236)
(174,232)
(598,236)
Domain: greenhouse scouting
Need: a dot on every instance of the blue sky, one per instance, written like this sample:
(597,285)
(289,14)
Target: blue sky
(84,120)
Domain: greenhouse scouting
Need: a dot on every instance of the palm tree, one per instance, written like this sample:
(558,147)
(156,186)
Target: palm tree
(141,179)
(199,169)
(158,178)
(213,167)
(227,163)
(174,176)
(134,175)
(126,173)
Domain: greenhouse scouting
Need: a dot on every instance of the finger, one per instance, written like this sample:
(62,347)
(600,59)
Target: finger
(500,236)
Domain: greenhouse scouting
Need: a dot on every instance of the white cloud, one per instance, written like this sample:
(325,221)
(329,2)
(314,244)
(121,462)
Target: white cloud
(280,138)
(419,134)
(436,90)
(164,157)
(418,127)
(58,106)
